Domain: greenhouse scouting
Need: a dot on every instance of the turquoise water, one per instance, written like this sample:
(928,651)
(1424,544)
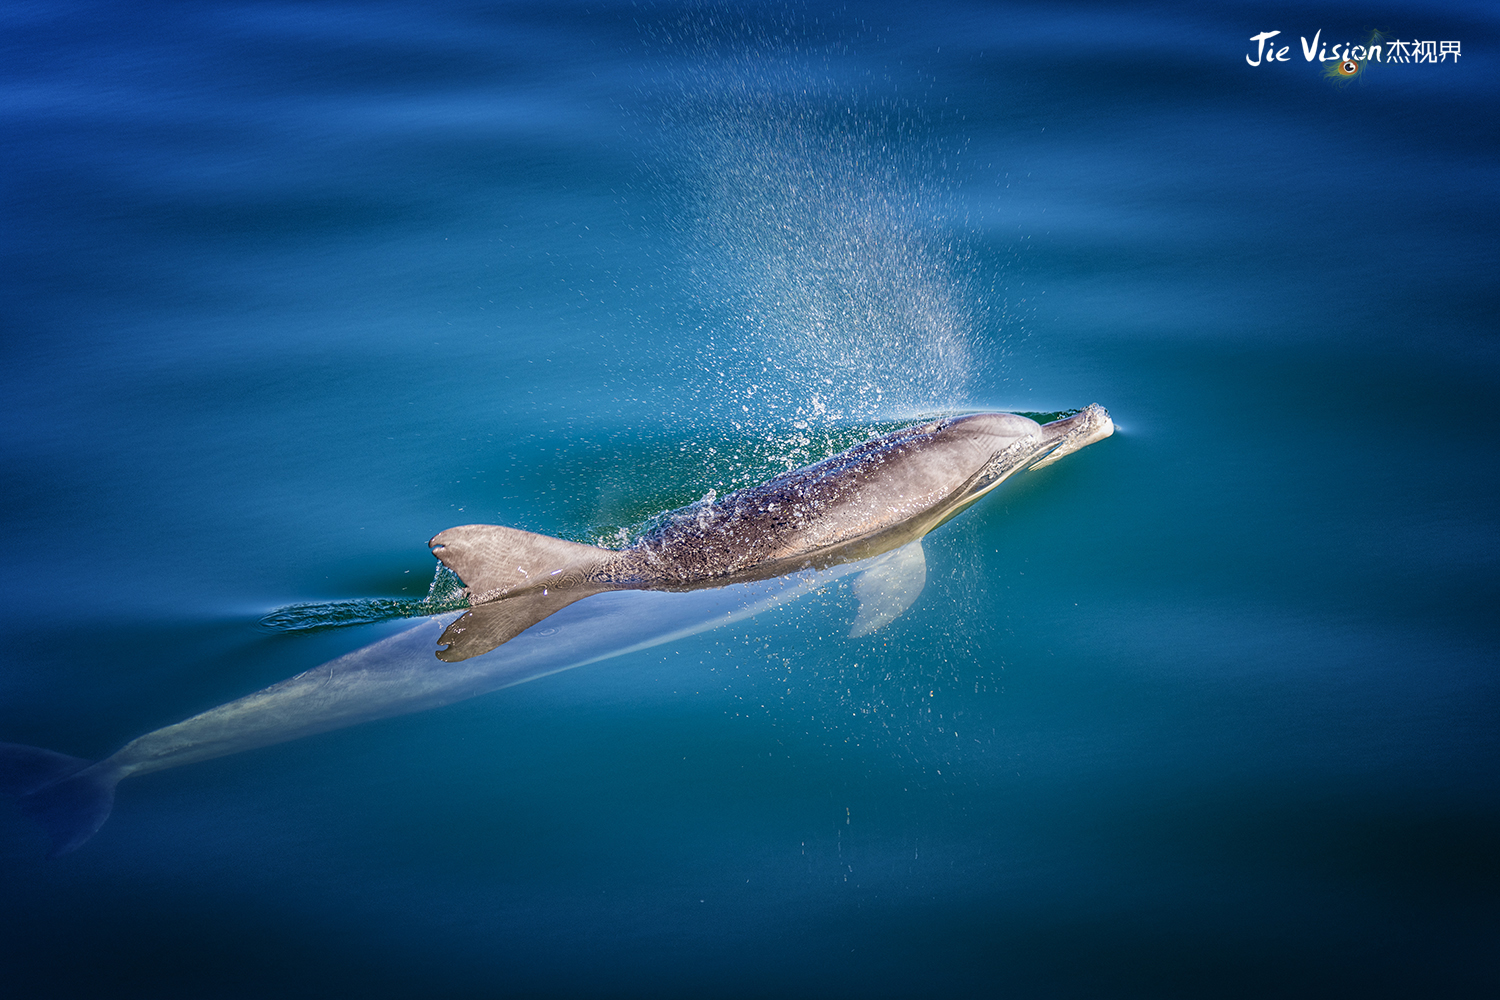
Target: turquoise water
(1208,708)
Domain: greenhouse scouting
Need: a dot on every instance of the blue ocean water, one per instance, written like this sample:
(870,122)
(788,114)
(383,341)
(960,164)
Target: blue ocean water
(1208,708)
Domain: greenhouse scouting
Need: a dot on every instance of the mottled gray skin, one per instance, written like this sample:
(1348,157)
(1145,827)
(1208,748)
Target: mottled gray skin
(875,497)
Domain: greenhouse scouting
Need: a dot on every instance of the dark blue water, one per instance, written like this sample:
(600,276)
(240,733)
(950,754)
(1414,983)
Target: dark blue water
(1207,709)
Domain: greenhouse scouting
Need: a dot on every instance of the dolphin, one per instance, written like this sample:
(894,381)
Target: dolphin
(861,513)
(873,498)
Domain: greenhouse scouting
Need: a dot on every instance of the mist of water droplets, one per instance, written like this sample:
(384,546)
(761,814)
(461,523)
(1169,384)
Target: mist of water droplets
(823,262)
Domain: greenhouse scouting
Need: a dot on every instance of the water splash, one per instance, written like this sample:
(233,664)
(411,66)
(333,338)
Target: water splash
(819,241)
(444,594)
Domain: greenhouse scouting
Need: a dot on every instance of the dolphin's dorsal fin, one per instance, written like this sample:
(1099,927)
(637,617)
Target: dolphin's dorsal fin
(486,626)
(493,561)
(889,587)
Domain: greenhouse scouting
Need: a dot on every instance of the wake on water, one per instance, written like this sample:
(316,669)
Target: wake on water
(444,594)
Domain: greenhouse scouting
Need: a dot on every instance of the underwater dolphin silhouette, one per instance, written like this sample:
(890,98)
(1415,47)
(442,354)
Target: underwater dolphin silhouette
(862,511)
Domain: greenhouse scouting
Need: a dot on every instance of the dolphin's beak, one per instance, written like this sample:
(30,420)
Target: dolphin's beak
(1078,431)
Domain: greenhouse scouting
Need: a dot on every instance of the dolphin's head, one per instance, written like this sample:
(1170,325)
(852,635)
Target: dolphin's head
(1082,429)
(1019,442)
(1007,443)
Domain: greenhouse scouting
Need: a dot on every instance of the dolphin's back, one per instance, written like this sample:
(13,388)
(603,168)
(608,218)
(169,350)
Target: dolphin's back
(870,499)
(861,493)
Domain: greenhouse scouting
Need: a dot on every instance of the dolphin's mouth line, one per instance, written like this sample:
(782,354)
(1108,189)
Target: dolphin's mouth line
(1090,424)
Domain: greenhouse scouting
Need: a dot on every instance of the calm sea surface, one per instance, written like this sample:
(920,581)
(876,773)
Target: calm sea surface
(1210,708)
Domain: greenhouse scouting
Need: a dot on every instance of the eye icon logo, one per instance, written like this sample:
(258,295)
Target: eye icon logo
(1343,61)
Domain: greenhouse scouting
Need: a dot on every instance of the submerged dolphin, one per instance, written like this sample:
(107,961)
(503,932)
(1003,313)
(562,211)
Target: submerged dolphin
(862,511)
